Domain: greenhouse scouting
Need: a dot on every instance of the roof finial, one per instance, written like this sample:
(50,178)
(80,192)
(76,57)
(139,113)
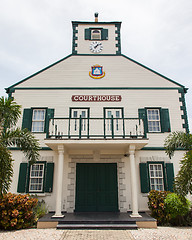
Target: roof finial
(96,16)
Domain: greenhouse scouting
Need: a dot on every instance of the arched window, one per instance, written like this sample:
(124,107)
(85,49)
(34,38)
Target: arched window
(95,34)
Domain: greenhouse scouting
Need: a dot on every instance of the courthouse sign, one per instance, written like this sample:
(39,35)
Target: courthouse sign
(96,98)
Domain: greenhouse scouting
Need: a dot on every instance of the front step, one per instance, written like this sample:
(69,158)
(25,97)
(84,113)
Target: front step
(97,225)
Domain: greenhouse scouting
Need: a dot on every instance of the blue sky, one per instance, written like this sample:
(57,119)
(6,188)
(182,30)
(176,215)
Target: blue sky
(156,33)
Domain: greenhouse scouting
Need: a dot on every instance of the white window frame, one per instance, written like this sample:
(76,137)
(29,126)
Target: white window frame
(35,120)
(156,177)
(36,177)
(115,117)
(154,120)
(94,34)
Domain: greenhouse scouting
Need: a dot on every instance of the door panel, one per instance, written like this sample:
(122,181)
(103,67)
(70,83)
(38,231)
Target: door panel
(79,122)
(96,187)
(86,197)
(114,122)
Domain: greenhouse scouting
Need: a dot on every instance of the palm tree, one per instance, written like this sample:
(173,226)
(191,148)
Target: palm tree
(10,135)
(183,180)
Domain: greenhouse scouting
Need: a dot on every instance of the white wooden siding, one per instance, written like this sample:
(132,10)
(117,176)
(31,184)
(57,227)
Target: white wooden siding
(119,72)
(132,100)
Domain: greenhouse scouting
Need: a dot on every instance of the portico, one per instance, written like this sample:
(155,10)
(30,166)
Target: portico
(100,149)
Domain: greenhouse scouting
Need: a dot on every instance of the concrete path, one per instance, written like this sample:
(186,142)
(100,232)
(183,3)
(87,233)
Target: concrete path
(161,233)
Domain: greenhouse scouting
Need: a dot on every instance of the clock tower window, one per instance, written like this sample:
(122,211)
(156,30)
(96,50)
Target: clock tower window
(95,34)
(90,33)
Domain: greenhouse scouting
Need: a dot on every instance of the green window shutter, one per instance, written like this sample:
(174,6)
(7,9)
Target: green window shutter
(21,187)
(104,34)
(165,121)
(27,119)
(143,115)
(87,34)
(144,177)
(169,171)
(49,177)
(49,114)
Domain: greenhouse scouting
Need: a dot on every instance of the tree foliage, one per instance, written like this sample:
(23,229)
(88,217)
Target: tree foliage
(175,206)
(183,180)
(176,140)
(10,135)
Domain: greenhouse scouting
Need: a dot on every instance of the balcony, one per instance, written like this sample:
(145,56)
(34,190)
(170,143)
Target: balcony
(96,128)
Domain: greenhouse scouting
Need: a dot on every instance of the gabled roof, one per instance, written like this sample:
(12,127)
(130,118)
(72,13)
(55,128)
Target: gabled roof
(11,88)
(25,79)
(154,71)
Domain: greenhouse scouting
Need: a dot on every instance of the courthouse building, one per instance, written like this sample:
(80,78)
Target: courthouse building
(101,119)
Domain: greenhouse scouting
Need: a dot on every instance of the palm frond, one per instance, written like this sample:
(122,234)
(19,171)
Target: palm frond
(6,169)
(183,180)
(24,140)
(10,112)
(176,140)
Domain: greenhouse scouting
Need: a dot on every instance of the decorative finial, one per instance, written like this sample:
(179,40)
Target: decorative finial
(96,16)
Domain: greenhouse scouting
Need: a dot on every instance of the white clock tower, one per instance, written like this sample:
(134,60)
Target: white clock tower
(92,38)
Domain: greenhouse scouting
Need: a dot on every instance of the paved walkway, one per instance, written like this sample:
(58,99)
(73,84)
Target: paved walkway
(161,233)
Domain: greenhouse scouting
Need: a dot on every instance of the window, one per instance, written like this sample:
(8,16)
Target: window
(153,117)
(156,177)
(79,121)
(38,120)
(32,178)
(113,121)
(116,115)
(36,178)
(156,120)
(95,34)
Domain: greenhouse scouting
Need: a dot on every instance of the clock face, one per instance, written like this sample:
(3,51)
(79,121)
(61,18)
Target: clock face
(96,47)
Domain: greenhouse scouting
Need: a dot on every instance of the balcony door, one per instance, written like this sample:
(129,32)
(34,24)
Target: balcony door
(113,122)
(79,122)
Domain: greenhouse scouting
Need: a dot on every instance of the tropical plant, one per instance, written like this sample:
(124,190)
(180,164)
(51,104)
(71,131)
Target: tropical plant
(156,204)
(16,211)
(175,206)
(10,135)
(183,180)
(40,210)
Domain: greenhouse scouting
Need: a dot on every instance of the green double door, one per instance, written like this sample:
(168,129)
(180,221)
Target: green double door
(96,187)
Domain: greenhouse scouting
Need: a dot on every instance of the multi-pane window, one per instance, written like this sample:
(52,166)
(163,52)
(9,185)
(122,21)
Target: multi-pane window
(75,121)
(36,178)
(38,120)
(115,114)
(153,116)
(156,177)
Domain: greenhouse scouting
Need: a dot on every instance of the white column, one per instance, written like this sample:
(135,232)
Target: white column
(59,182)
(134,185)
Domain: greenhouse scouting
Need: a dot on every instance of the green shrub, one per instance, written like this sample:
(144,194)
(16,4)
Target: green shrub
(157,206)
(175,206)
(40,210)
(16,211)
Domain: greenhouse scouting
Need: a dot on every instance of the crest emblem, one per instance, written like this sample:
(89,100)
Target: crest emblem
(97,72)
